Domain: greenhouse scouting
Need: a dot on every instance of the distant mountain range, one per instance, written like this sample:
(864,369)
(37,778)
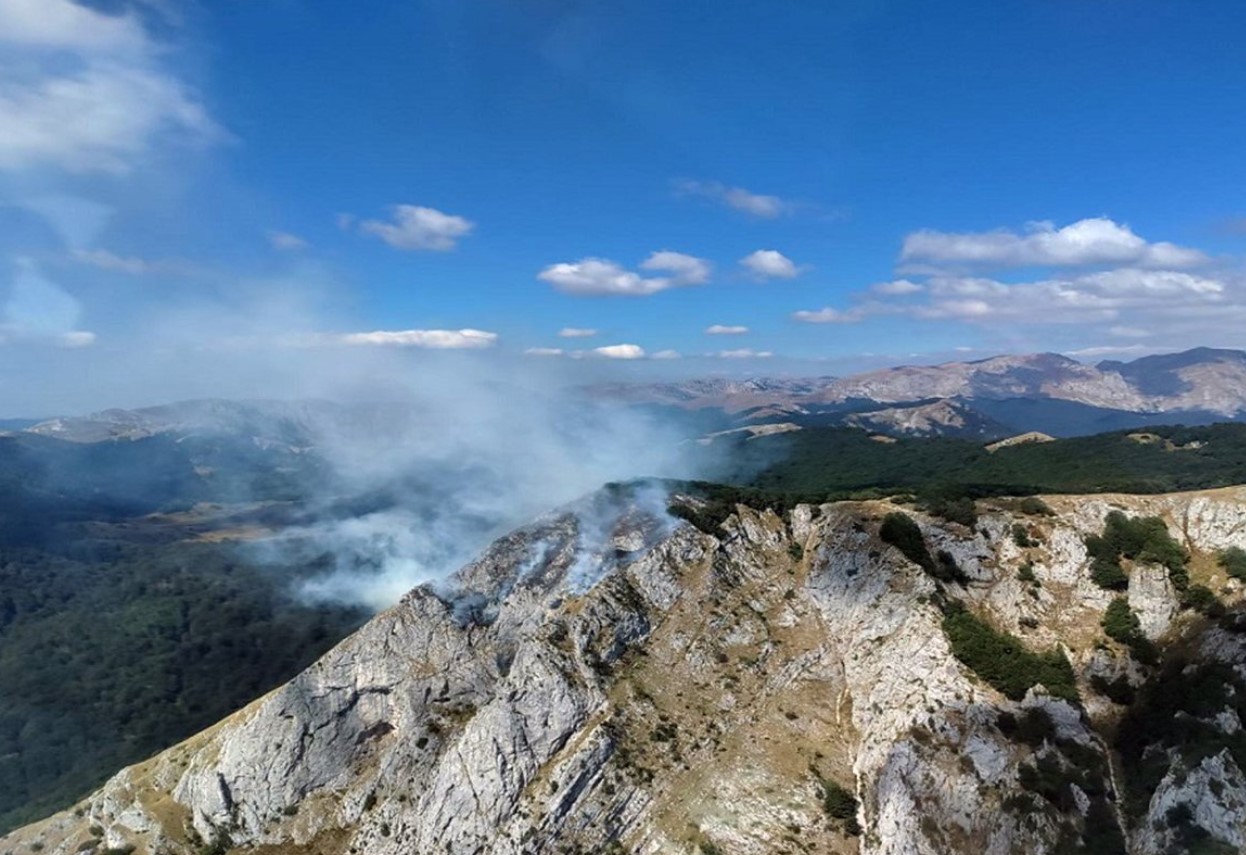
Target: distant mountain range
(985,398)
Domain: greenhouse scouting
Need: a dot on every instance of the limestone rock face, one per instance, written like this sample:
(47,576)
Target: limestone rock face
(611,679)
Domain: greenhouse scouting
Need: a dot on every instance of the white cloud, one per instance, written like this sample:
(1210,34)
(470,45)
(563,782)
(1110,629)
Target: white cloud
(544,351)
(106,260)
(621,351)
(755,204)
(67,25)
(721,329)
(666,354)
(576,332)
(769,264)
(76,339)
(132,265)
(601,276)
(744,353)
(897,288)
(684,269)
(465,339)
(1107,350)
(286,241)
(829,316)
(1089,242)
(86,92)
(417,228)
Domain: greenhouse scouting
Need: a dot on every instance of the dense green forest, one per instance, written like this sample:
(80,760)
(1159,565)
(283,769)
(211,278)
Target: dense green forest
(111,650)
(840,462)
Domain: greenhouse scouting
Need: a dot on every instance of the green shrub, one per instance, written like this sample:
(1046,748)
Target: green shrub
(957,509)
(1108,575)
(1026,573)
(946,568)
(1033,727)
(1121,624)
(1035,507)
(1233,562)
(1117,690)
(1021,536)
(1139,538)
(841,805)
(1202,599)
(1003,661)
(900,530)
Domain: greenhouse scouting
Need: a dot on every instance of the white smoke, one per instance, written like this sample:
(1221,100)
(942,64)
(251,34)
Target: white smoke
(461,459)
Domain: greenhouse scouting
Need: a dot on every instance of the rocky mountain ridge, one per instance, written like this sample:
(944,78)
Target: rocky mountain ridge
(612,679)
(1200,380)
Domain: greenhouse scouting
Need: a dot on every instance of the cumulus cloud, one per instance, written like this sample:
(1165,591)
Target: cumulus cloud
(602,277)
(415,227)
(285,241)
(722,329)
(769,264)
(1129,294)
(83,91)
(621,351)
(465,339)
(737,198)
(576,332)
(1090,242)
(829,316)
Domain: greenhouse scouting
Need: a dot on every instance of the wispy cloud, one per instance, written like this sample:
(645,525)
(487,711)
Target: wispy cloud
(897,288)
(576,332)
(132,265)
(744,353)
(544,351)
(603,277)
(286,241)
(465,339)
(829,315)
(414,227)
(87,92)
(40,310)
(723,329)
(755,204)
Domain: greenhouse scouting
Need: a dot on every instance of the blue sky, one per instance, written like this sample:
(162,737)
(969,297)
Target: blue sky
(179,176)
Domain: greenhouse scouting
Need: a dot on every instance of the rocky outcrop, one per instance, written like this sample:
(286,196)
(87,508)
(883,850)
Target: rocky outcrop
(611,679)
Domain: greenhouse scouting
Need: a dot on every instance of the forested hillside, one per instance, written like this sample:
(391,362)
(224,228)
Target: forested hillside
(840,462)
(111,648)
